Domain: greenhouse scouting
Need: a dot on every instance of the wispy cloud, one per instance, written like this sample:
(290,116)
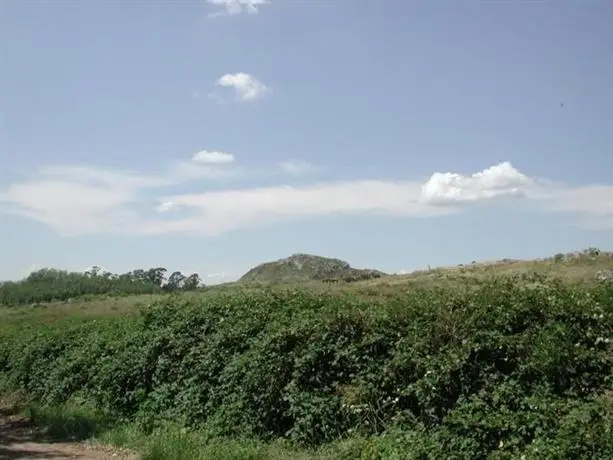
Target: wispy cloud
(73,208)
(216,212)
(234,7)
(218,275)
(213,157)
(297,167)
(82,200)
(247,88)
(165,206)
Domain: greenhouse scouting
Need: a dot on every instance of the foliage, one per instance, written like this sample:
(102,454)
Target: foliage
(511,368)
(49,284)
(67,422)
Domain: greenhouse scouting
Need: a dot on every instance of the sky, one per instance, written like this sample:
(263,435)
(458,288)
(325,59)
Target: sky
(211,136)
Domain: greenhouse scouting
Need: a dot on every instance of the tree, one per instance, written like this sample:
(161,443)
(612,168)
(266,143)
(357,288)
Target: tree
(138,275)
(44,274)
(156,275)
(192,282)
(49,284)
(175,281)
(93,271)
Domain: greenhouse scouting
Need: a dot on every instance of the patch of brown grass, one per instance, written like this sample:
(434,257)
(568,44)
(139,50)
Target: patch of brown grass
(54,311)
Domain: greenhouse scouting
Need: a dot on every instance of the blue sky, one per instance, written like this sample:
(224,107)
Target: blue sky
(212,136)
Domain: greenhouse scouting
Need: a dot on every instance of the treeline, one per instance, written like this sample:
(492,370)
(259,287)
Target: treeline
(49,284)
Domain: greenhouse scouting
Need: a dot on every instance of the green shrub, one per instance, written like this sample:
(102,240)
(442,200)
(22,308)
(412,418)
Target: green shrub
(513,367)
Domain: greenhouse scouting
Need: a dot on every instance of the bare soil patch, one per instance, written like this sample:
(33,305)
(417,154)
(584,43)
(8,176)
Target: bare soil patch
(20,439)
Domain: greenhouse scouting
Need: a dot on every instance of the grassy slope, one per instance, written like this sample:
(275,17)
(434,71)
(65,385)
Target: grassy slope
(580,267)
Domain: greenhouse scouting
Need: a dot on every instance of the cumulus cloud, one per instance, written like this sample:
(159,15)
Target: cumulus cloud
(234,7)
(80,201)
(246,87)
(213,157)
(499,180)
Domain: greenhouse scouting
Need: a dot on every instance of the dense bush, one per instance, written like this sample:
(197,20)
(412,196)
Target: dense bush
(510,369)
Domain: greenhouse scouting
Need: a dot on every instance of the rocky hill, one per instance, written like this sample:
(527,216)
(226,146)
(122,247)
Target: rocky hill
(307,267)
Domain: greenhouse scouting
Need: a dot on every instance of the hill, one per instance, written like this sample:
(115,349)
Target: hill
(307,267)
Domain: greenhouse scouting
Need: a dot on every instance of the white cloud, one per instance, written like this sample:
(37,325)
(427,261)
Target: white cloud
(213,157)
(81,200)
(184,171)
(596,200)
(233,7)
(71,207)
(296,167)
(221,211)
(165,206)
(104,176)
(499,180)
(247,87)
(211,279)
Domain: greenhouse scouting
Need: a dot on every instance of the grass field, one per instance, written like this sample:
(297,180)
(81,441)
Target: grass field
(583,266)
(505,360)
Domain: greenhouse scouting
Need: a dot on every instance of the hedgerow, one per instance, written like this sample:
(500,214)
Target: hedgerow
(510,368)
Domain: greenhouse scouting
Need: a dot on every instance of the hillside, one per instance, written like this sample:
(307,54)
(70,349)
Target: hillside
(307,267)
(589,264)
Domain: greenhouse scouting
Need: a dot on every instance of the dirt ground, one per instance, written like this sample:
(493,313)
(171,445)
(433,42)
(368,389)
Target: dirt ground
(19,439)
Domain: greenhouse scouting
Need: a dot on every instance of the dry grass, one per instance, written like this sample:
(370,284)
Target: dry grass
(573,267)
(582,266)
(53,311)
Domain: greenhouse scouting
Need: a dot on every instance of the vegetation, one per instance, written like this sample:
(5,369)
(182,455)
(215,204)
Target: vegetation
(504,367)
(49,284)
(306,267)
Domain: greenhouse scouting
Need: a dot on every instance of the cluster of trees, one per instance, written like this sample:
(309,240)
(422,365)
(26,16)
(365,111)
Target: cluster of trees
(50,284)
(176,281)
